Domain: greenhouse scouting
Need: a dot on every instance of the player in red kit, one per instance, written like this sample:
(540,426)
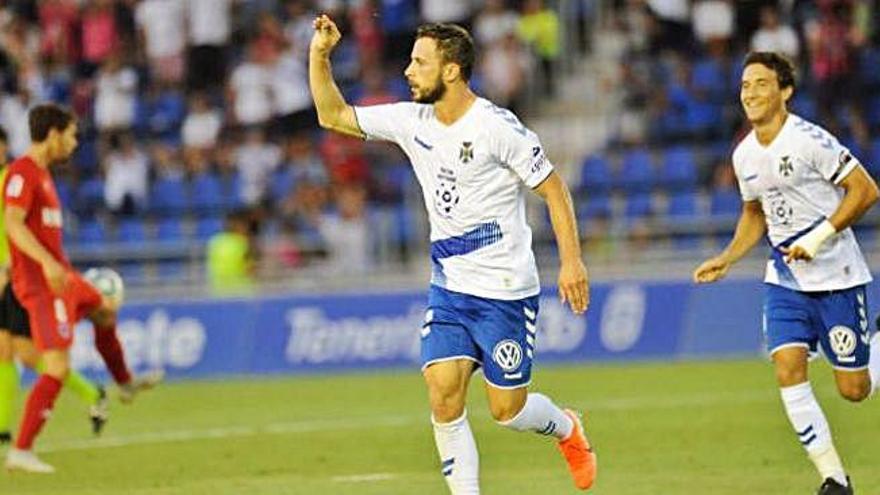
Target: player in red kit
(54,295)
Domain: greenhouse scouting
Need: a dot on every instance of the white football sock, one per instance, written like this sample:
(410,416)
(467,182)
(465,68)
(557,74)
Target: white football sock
(812,429)
(458,455)
(542,416)
(874,362)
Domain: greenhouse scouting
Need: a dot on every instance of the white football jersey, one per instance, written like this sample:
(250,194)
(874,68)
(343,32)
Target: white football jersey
(471,173)
(796,178)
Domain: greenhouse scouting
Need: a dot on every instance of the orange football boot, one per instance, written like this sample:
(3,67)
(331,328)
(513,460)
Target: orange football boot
(579,454)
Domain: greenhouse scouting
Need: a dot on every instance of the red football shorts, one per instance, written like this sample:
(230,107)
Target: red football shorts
(53,317)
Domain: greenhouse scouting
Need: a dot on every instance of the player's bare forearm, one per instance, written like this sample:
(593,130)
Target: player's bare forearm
(20,235)
(333,112)
(861,194)
(750,230)
(558,198)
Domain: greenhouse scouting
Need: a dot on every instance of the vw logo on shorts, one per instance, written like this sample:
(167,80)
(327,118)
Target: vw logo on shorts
(508,354)
(842,340)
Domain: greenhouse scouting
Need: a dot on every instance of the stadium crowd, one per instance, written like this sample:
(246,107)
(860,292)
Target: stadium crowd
(193,109)
(666,173)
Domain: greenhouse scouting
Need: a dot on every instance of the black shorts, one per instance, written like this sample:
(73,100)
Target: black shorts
(13,316)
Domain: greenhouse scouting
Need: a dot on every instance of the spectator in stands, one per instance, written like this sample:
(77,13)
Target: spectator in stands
(256,160)
(302,161)
(115,95)
(14,116)
(250,91)
(163,31)
(346,233)
(399,19)
(457,11)
(230,256)
(293,106)
(202,124)
(494,22)
(58,22)
(100,34)
(210,27)
(669,26)
(539,28)
(302,211)
(298,28)
(833,40)
(774,36)
(713,23)
(505,65)
(166,161)
(126,170)
(367,33)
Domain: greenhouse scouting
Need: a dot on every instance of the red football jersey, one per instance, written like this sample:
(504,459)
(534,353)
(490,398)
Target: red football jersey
(31,188)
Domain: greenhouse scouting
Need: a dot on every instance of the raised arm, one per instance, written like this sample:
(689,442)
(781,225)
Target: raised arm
(333,112)
(749,231)
(573,278)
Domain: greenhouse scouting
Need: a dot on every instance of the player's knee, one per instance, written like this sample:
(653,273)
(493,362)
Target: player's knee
(505,412)
(854,391)
(447,409)
(788,377)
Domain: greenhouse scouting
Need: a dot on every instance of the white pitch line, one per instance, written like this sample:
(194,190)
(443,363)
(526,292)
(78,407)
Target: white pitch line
(294,427)
(360,478)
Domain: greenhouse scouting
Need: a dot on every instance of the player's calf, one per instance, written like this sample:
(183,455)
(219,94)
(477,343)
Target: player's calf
(854,387)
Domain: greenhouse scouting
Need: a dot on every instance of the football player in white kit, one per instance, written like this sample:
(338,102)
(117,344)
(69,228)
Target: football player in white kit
(804,189)
(472,160)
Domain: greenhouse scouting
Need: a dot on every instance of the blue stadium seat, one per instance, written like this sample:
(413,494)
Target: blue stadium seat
(595,205)
(208,192)
(132,273)
(708,76)
(85,158)
(682,206)
(91,233)
(639,205)
(725,203)
(169,229)
(637,171)
(173,271)
(703,116)
(169,196)
(166,113)
(679,168)
(89,196)
(65,193)
(804,105)
(595,174)
(131,231)
(207,227)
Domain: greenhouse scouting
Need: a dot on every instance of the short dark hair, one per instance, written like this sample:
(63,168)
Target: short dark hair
(454,42)
(778,63)
(43,118)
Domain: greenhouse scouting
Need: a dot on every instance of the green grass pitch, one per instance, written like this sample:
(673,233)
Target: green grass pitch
(659,428)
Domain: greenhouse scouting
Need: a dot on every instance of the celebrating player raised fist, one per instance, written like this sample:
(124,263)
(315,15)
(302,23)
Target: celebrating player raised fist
(326,35)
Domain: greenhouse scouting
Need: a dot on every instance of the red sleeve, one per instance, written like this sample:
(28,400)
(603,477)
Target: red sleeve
(19,188)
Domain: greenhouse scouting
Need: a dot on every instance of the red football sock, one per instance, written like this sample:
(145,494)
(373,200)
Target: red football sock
(37,410)
(111,351)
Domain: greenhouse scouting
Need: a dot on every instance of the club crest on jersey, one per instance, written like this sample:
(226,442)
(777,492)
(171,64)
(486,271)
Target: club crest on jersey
(786,167)
(466,153)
